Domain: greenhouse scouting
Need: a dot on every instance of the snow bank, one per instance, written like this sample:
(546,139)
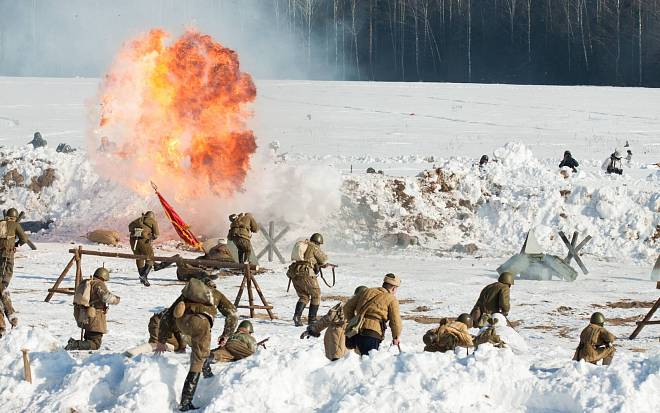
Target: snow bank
(301,379)
(493,207)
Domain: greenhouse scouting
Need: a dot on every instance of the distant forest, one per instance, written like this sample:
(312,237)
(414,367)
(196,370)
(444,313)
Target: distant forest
(590,42)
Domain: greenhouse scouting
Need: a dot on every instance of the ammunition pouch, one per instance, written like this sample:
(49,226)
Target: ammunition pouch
(300,269)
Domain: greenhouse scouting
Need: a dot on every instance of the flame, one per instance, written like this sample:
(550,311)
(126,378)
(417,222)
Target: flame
(176,114)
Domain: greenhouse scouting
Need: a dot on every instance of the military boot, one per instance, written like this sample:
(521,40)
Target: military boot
(313,310)
(72,344)
(189,387)
(162,265)
(206,367)
(300,307)
(144,271)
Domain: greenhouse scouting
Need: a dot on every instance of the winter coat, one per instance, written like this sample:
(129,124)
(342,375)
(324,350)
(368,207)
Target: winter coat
(447,336)
(99,299)
(383,308)
(243,227)
(595,344)
(569,162)
(8,244)
(149,228)
(334,324)
(314,259)
(494,298)
(154,326)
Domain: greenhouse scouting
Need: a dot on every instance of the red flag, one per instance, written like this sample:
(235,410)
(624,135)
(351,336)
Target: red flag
(179,225)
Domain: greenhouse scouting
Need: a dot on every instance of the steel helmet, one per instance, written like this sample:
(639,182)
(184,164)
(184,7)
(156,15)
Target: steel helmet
(12,213)
(149,214)
(597,318)
(465,319)
(359,290)
(102,273)
(506,277)
(246,324)
(316,238)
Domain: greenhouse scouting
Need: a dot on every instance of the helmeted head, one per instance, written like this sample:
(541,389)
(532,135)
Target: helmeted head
(465,319)
(149,214)
(12,214)
(316,238)
(483,160)
(247,325)
(506,278)
(359,290)
(616,154)
(102,273)
(567,154)
(597,318)
(232,217)
(391,280)
(36,137)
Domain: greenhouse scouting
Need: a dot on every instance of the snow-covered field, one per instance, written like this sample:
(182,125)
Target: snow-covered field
(403,129)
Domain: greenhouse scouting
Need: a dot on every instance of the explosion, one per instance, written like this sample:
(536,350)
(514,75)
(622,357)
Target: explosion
(176,114)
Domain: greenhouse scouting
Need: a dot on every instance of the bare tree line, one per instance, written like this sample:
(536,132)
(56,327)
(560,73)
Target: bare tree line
(601,42)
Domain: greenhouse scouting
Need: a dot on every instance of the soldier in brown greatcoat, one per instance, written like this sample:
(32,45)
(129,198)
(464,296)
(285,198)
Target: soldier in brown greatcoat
(11,236)
(93,319)
(142,231)
(494,298)
(304,277)
(240,232)
(595,342)
(449,335)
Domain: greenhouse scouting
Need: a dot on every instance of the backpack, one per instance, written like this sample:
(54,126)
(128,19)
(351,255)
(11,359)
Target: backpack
(198,292)
(299,249)
(355,324)
(82,312)
(3,229)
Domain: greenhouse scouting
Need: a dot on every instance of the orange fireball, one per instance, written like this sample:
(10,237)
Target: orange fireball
(176,114)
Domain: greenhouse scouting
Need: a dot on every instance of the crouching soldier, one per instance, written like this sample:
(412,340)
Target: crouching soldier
(303,273)
(494,298)
(193,314)
(238,346)
(6,310)
(175,341)
(368,313)
(595,342)
(142,231)
(90,310)
(449,335)
(334,321)
(240,232)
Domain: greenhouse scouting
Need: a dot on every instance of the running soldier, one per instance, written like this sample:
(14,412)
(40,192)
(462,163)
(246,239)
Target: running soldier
(240,232)
(142,231)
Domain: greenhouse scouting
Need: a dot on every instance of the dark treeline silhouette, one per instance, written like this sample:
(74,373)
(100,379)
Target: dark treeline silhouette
(596,42)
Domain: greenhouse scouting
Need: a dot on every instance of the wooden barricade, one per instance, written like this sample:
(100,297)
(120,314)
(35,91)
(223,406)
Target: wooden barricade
(248,281)
(647,320)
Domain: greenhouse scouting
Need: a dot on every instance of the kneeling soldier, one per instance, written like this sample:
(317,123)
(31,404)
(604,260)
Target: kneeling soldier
(449,335)
(92,318)
(192,314)
(240,345)
(494,298)
(595,342)
(334,339)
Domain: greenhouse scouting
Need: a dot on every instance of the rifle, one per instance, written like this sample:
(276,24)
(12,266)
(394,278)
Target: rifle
(262,343)
(28,242)
(334,277)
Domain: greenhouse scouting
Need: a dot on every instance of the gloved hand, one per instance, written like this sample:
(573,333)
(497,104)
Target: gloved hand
(13,321)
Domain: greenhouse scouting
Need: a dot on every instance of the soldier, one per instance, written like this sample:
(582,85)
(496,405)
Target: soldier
(500,335)
(303,275)
(239,345)
(494,298)
(219,253)
(142,231)
(37,141)
(11,236)
(240,231)
(192,314)
(569,162)
(612,165)
(488,334)
(595,342)
(334,339)
(375,306)
(93,318)
(175,340)
(449,335)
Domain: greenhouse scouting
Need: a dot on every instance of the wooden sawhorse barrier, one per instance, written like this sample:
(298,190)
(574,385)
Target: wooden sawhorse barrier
(647,320)
(248,276)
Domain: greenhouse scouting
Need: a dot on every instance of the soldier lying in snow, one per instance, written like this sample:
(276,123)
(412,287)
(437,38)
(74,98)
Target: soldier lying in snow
(449,335)
(175,342)
(238,346)
(500,335)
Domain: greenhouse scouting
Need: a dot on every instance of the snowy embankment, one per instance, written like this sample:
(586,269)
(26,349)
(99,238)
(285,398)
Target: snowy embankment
(451,207)
(280,379)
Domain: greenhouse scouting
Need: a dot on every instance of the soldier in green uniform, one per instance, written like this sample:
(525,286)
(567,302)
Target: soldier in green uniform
(449,335)
(239,345)
(193,314)
(240,232)
(142,231)
(596,342)
(11,236)
(494,298)
(304,277)
(93,319)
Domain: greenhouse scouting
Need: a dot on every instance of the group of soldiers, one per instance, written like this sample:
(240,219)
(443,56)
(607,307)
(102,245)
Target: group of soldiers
(357,325)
